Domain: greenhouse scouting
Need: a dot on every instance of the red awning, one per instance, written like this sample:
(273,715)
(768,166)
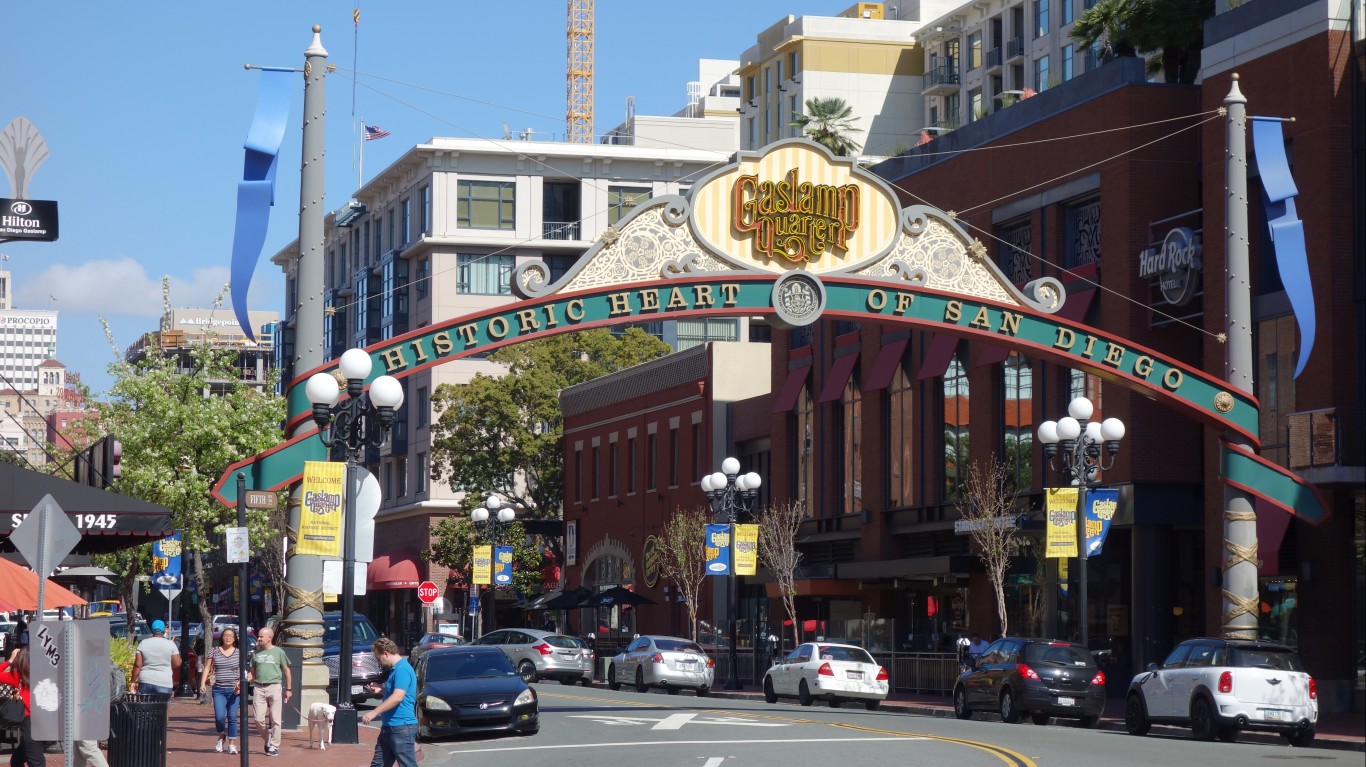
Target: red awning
(400,569)
(885,365)
(937,357)
(1271,526)
(792,387)
(838,376)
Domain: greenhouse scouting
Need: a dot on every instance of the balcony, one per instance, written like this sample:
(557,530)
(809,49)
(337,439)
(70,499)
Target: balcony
(560,230)
(1014,48)
(993,59)
(942,79)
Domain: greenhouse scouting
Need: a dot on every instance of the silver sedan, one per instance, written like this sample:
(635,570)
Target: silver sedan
(662,661)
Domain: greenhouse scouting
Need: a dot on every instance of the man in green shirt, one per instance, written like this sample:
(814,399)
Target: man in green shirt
(268,667)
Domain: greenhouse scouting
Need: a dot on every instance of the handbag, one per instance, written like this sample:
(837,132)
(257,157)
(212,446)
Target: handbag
(11,706)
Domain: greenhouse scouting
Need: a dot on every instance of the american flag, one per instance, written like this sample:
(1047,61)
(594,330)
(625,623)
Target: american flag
(373,132)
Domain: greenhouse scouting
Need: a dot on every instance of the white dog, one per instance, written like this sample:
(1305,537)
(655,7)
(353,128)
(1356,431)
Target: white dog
(320,716)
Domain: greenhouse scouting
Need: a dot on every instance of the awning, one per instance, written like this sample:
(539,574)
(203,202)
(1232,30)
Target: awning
(937,356)
(108,521)
(1271,526)
(838,376)
(400,569)
(792,388)
(884,367)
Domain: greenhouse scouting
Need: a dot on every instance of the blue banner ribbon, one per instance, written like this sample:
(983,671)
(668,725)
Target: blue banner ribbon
(1287,231)
(502,565)
(717,548)
(166,558)
(1101,505)
(256,192)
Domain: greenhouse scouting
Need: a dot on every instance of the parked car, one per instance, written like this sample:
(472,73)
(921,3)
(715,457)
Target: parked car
(540,654)
(832,672)
(118,628)
(430,642)
(1220,686)
(473,689)
(364,668)
(662,661)
(1039,677)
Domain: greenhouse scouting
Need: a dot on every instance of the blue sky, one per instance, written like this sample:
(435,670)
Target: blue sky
(144,107)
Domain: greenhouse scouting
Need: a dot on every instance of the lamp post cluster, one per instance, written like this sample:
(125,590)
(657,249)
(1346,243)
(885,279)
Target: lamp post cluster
(731,495)
(489,515)
(357,423)
(1076,442)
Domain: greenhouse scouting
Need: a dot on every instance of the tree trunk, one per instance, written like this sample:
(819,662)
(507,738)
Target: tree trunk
(998,584)
(205,616)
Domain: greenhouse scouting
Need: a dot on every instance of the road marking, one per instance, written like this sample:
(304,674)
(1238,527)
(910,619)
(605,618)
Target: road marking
(715,761)
(674,721)
(637,743)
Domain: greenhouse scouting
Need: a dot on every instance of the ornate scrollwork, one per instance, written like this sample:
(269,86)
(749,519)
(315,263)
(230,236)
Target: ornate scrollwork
(1045,294)
(303,632)
(531,279)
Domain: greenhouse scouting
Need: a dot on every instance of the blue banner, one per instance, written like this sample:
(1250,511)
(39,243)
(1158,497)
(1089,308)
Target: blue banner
(1287,231)
(166,563)
(718,549)
(1101,505)
(502,565)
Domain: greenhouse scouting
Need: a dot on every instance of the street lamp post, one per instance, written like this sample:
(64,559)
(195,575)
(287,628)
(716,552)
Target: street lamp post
(350,427)
(1080,440)
(489,515)
(731,495)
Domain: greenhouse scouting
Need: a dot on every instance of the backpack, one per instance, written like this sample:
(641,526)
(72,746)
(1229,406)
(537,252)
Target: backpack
(11,706)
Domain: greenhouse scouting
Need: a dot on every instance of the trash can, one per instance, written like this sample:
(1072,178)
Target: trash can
(137,731)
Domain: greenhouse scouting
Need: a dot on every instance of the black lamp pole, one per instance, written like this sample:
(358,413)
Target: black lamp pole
(360,421)
(490,514)
(731,495)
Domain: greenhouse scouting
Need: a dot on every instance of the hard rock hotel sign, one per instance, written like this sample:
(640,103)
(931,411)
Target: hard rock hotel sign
(796,234)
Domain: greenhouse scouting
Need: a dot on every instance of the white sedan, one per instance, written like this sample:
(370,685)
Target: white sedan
(832,672)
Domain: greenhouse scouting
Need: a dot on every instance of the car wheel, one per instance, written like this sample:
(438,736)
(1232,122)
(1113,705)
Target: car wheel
(1040,719)
(1299,738)
(527,670)
(703,692)
(612,683)
(1009,714)
(960,703)
(1090,722)
(586,681)
(1203,726)
(804,694)
(769,695)
(1136,715)
(872,705)
(640,681)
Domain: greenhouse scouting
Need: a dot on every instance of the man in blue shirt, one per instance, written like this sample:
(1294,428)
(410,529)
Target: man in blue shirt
(398,712)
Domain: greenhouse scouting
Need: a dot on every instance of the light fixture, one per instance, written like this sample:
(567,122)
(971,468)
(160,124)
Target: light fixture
(731,495)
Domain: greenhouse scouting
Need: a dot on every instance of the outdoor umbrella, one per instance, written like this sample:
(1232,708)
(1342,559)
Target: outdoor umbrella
(19,589)
(568,599)
(618,595)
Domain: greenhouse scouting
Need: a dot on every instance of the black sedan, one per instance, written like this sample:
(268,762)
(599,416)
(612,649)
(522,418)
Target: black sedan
(1039,677)
(472,689)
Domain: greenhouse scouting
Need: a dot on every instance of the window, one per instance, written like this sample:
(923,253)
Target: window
(651,462)
(631,465)
(594,468)
(851,414)
(900,438)
(952,115)
(794,108)
(423,407)
(1014,243)
(426,212)
(1081,222)
(695,332)
(395,239)
(486,204)
(805,459)
(578,476)
(485,275)
(673,457)
(956,427)
(622,199)
(424,277)
(792,63)
(378,231)
(1068,54)
(1041,18)
(751,128)
(407,207)
(1041,74)
(977,109)
(612,469)
(423,469)
(696,450)
(401,469)
(975,50)
(1018,429)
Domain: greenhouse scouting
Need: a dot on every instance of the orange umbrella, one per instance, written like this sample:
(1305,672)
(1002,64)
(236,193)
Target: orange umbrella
(19,589)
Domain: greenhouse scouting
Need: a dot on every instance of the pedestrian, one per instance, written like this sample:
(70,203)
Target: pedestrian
(547,624)
(268,667)
(15,672)
(397,740)
(225,666)
(156,663)
(976,645)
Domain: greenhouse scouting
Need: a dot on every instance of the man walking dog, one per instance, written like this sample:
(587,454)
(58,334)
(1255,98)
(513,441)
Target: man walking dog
(267,669)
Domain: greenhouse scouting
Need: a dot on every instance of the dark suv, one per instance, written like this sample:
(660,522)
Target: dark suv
(364,668)
(1039,677)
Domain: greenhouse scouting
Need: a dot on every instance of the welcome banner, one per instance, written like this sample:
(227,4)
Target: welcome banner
(502,566)
(718,549)
(482,563)
(1101,506)
(746,549)
(1060,518)
(320,520)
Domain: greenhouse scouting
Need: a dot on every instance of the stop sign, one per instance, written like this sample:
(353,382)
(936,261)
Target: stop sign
(427,592)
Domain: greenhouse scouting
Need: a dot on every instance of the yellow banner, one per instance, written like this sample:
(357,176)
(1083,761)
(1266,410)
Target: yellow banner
(1060,516)
(482,562)
(746,549)
(320,520)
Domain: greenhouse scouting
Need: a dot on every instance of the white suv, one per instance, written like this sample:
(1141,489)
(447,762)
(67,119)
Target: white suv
(1221,686)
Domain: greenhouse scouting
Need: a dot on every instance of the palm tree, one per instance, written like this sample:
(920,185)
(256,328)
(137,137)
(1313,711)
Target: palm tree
(828,123)
(1175,27)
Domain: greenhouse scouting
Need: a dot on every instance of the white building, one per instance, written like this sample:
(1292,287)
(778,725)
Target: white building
(28,337)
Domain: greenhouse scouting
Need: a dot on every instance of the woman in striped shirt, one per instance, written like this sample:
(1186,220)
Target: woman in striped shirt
(225,665)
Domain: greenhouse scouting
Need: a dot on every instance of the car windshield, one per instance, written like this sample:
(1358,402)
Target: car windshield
(677,645)
(445,666)
(854,654)
(563,641)
(1057,654)
(1273,658)
(361,630)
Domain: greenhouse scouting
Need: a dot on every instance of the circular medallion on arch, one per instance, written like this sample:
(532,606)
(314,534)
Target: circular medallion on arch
(798,299)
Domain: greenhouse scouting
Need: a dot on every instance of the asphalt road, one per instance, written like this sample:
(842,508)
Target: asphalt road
(593,727)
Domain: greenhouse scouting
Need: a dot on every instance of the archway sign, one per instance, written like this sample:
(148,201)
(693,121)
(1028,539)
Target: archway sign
(795,233)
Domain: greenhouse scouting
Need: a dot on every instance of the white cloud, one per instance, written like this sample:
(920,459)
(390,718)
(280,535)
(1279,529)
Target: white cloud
(122,287)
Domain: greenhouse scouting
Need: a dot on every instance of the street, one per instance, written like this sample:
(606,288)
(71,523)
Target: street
(598,728)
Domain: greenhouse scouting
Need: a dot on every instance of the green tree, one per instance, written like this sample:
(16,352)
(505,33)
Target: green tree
(1174,27)
(182,422)
(454,538)
(683,557)
(828,122)
(778,527)
(505,435)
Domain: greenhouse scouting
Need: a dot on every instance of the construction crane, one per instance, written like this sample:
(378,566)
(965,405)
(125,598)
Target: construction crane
(578,114)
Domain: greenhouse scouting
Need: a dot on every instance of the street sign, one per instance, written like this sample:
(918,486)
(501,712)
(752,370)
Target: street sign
(46,537)
(261,499)
(427,592)
(238,550)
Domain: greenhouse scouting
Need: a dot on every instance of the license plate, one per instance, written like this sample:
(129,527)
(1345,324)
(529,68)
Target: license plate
(1067,701)
(853,674)
(357,689)
(686,662)
(1276,716)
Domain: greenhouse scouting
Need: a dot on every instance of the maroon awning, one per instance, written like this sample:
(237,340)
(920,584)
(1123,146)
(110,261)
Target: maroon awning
(884,367)
(399,569)
(840,370)
(792,387)
(108,521)
(1271,526)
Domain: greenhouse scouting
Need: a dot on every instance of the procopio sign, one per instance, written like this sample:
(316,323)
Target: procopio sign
(28,219)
